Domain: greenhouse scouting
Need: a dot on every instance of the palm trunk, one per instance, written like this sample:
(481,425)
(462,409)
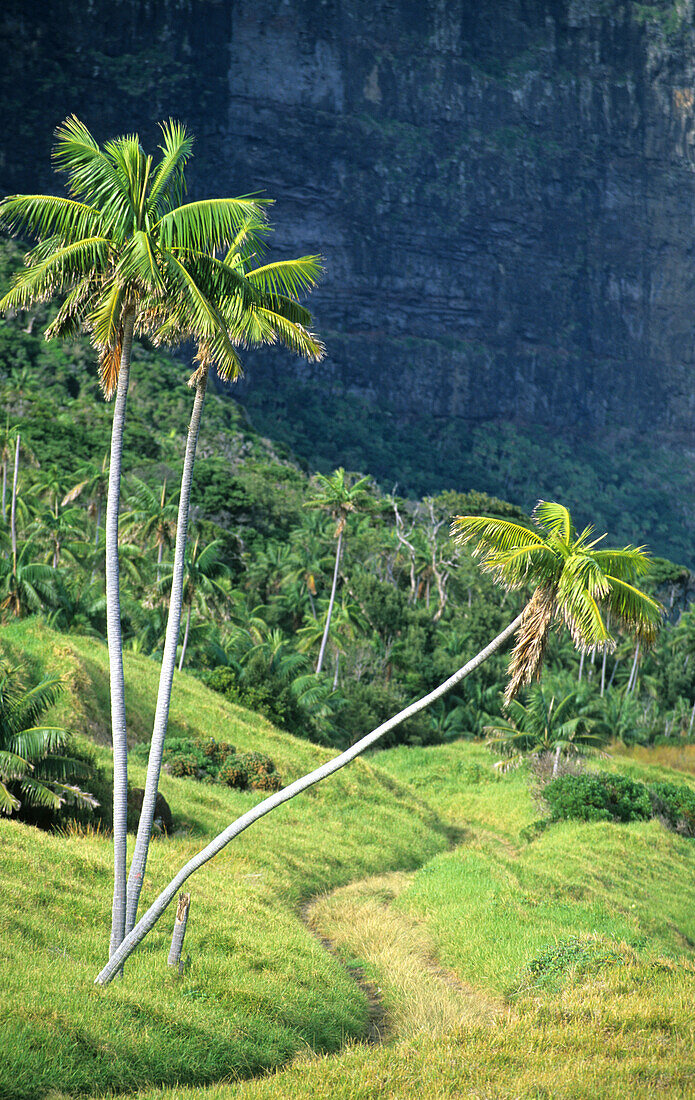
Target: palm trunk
(581,666)
(4,490)
(337,668)
(13,510)
(96,536)
(115,644)
(324,640)
(556,763)
(633,672)
(603,671)
(166,676)
(185,637)
(179,930)
(160,554)
(150,918)
(615,665)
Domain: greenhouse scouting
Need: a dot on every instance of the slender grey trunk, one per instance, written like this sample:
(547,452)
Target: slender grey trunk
(581,666)
(96,537)
(160,554)
(556,764)
(324,640)
(180,923)
(150,918)
(115,644)
(185,637)
(692,718)
(166,675)
(4,490)
(13,510)
(615,665)
(603,671)
(337,668)
(633,672)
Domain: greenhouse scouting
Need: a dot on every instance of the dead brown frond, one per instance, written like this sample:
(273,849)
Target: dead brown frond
(531,640)
(109,369)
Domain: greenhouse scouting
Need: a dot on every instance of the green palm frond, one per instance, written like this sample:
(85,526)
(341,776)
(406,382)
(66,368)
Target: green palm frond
(12,765)
(638,613)
(138,263)
(56,273)
(626,564)
(287,278)
(168,184)
(205,226)
(8,803)
(105,318)
(38,741)
(92,175)
(294,336)
(555,518)
(34,703)
(50,216)
(36,793)
(69,320)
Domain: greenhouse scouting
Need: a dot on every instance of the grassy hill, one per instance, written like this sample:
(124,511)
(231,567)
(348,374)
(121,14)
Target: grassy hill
(502,955)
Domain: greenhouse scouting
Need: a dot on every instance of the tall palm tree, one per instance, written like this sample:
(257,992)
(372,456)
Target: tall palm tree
(268,314)
(503,548)
(340,498)
(122,242)
(575,582)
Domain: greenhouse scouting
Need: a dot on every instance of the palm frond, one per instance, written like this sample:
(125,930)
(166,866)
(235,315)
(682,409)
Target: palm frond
(626,564)
(8,803)
(287,278)
(36,793)
(581,613)
(106,316)
(555,518)
(38,742)
(168,185)
(13,765)
(638,613)
(56,273)
(206,226)
(50,216)
(109,369)
(92,175)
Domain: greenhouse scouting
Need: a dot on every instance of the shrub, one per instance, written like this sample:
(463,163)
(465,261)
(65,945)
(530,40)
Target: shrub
(267,782)
(674,803)
(258,764)
(233,771)
(598,797)
(182,764)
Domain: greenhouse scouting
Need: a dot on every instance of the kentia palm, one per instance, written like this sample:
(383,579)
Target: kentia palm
(122,240)
(268,314)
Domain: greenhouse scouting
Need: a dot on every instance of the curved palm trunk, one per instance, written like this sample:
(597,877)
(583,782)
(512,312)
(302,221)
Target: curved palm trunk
(115,645)
(13,510)
(150,918)
(324,640)
(166,676)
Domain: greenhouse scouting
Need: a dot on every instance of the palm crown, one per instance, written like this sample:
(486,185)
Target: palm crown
(575,582)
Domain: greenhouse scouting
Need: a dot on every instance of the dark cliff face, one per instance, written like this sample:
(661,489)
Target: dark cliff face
(502,190)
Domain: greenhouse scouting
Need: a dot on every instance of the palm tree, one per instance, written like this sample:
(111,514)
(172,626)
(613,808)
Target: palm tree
(340,499)
(122,245)
(34,770)
(545,725)
(202,570)
(26,586)
(502,547)
(575,583)
(8,440)
(269,313)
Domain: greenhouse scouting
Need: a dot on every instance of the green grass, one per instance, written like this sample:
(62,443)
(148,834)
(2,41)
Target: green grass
(504,955)
(260,987)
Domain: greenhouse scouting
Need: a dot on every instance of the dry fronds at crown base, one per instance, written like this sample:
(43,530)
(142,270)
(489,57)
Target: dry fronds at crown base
(109,369)
(532,638)
(201,371)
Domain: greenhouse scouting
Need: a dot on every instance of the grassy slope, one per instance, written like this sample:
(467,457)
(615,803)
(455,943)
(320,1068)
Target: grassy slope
(259,988)
(610,1019)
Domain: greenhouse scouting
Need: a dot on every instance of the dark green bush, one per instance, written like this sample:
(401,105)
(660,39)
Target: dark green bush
(267,782)
(233,771)
(674,803)
(598,797)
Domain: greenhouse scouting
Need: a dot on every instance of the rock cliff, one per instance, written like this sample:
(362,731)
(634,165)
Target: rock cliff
(503,191)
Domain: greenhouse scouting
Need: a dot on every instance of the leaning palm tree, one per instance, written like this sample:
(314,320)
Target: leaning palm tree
(560,561)
(575,582)
(122,241)
(340,498)
(269,314)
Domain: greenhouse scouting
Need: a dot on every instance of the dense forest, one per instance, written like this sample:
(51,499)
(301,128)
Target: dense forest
(410,606)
